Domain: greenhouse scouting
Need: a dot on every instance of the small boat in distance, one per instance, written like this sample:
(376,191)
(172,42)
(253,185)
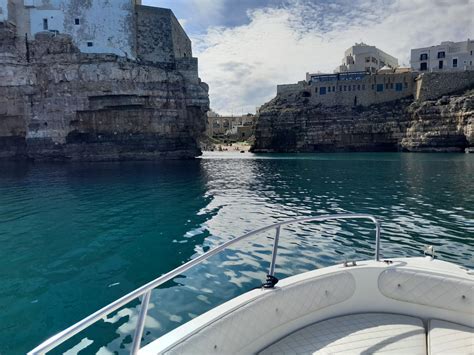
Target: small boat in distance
(415,305)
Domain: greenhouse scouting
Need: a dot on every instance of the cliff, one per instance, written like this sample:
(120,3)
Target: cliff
(291,123)
(57,103)
(443,125)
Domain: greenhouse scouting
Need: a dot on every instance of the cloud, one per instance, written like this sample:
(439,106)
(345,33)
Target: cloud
(201,14)
(183,22)
(279,44)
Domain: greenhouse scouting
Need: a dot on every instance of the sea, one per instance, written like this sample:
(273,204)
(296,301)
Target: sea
(77,236)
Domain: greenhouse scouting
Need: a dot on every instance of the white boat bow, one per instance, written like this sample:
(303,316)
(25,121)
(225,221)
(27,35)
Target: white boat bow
(416,305)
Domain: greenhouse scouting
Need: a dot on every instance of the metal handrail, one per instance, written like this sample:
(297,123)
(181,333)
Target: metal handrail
(146,289)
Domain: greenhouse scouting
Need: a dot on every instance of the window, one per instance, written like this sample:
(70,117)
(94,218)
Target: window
(322,90)
(333,89)
(423,66)
(329,89)
(367,59)
(358,87)
(90,44)
(349,87)
(77,21)
(340,87)
(441,54)
(45,24)
(440,64)
(424,56)
(353,88)
(406,85)
(373,87)
(316,90)
(455,62)
(386,86)
(398,87)
(345,88)
(374,60)
(391,86)
(379,87)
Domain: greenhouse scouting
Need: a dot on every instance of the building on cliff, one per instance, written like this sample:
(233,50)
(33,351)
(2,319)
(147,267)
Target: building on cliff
(97,81)
(383,109)
(390,110)
(354,88)
(364,89)
(447,56)
(121,27)
(376,84)
(362,57)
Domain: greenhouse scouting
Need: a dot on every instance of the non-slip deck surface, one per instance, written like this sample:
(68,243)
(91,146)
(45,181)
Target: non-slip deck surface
(369,333)
(449,338)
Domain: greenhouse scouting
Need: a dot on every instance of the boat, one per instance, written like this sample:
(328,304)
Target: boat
(406,305)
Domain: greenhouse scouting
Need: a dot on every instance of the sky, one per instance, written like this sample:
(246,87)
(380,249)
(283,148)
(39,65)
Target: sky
(247,47)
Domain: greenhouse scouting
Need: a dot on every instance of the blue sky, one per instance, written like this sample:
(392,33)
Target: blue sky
(200,15)
(247,47)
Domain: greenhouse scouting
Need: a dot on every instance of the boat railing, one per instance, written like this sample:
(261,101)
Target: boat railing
(147,289)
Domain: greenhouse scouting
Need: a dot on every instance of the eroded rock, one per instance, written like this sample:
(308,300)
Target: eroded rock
(57,103)
(289,123)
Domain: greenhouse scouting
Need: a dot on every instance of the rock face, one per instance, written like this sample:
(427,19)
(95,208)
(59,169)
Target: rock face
(57,103)
(290,123)
(443,125)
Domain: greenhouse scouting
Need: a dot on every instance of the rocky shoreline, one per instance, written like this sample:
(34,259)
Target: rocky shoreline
(57,103)
(290,123)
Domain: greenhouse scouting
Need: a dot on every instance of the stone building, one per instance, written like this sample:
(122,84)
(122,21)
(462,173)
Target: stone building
(121,27)
(354,88)
(233,127)
(359,88)
(362,57)
(447,56)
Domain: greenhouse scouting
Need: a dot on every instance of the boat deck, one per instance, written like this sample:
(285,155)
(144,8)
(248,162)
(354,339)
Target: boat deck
(376,333)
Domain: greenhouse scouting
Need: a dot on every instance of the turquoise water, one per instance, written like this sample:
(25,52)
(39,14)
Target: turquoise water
(76,237)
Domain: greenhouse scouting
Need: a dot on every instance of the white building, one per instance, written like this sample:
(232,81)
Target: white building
(97,26)
(362,57)
(447,56)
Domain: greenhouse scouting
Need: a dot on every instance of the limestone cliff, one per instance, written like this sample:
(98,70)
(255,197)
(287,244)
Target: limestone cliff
(442,125)
(290,123)
(58,103)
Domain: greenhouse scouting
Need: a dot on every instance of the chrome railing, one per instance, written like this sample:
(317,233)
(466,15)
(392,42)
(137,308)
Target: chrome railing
(146,290)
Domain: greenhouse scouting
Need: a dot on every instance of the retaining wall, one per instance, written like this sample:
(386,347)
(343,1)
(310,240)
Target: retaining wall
(431,86)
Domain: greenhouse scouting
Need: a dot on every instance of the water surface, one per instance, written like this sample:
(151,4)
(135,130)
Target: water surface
(75,237)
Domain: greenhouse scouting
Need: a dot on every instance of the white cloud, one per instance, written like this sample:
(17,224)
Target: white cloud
(244,64)
(206,8)
(183,22)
